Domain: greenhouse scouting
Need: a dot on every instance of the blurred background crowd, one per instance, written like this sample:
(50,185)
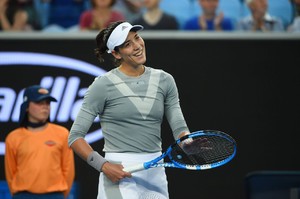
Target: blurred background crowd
(192,15)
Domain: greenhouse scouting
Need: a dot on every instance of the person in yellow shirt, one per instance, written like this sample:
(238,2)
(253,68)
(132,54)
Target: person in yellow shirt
(38,161)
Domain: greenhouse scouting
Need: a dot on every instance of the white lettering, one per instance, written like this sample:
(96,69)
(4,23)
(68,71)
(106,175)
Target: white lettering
(65,109)
(6,103)
(16,111)
(64,91)
(68,100)
(77,104)
(57,91)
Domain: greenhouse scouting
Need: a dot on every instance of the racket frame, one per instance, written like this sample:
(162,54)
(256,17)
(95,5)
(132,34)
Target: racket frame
(174,164)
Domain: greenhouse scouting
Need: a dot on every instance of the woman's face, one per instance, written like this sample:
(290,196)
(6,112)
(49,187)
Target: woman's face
(132,52)
(38,111)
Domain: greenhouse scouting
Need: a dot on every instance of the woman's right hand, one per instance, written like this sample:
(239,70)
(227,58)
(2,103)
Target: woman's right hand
(114,172)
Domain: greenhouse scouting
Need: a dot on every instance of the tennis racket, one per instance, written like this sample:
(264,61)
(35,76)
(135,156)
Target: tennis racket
(200,150)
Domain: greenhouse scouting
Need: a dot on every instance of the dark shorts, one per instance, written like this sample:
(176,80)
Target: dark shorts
(28,195)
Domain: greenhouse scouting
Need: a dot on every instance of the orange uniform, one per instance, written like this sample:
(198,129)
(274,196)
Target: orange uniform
(39,162)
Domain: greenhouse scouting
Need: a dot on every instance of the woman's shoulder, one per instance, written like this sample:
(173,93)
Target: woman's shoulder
(162,72)
(102,81)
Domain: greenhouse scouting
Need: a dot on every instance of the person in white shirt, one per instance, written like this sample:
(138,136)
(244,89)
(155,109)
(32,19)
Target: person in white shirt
(260,19)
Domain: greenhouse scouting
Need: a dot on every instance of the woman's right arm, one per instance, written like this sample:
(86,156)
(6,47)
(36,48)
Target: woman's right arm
(113,171)
(81,148)
(93,105)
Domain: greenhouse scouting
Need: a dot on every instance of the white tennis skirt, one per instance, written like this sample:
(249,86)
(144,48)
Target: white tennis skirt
(151,183)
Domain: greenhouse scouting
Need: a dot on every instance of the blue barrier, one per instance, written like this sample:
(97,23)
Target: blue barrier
(5,194)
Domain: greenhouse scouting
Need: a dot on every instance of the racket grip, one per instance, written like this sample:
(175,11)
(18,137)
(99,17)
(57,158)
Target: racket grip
(134,168)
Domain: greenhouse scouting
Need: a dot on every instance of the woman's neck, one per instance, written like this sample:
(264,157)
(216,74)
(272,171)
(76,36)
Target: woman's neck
(132,71)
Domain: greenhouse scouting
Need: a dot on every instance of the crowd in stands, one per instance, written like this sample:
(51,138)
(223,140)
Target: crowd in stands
(189,15)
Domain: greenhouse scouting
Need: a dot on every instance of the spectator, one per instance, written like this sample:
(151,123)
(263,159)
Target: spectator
(209,19)
(38,162)
(17,15)
(100,15)
(131,9)
(64,15)
(28,6)
(182,10)
(295,26)
(260,19)
(156,19)
(42,9)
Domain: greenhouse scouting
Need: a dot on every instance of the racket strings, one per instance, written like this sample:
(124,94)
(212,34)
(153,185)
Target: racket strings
(203,150)
(219,150)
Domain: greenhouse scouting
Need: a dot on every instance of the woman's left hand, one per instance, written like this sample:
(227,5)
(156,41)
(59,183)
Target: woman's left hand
(114,172)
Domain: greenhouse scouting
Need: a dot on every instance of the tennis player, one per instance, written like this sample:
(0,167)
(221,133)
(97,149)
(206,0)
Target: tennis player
(130,101)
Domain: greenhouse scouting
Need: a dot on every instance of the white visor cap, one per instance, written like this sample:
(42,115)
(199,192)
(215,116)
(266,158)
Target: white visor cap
(119,35)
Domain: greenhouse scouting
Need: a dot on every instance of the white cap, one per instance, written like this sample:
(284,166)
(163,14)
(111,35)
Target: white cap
(119,35)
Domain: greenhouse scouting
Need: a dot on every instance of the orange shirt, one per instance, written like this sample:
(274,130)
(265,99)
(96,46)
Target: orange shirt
(39,162)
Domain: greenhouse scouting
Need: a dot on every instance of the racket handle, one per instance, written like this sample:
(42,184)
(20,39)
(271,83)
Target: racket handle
(134,168)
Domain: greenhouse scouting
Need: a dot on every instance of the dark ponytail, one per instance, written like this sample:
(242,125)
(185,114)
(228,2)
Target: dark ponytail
(101,40)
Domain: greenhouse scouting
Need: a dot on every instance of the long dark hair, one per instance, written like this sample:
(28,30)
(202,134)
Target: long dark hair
(101,40)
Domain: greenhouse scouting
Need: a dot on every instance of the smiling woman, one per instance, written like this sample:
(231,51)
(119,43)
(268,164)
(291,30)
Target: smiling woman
(130,101)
